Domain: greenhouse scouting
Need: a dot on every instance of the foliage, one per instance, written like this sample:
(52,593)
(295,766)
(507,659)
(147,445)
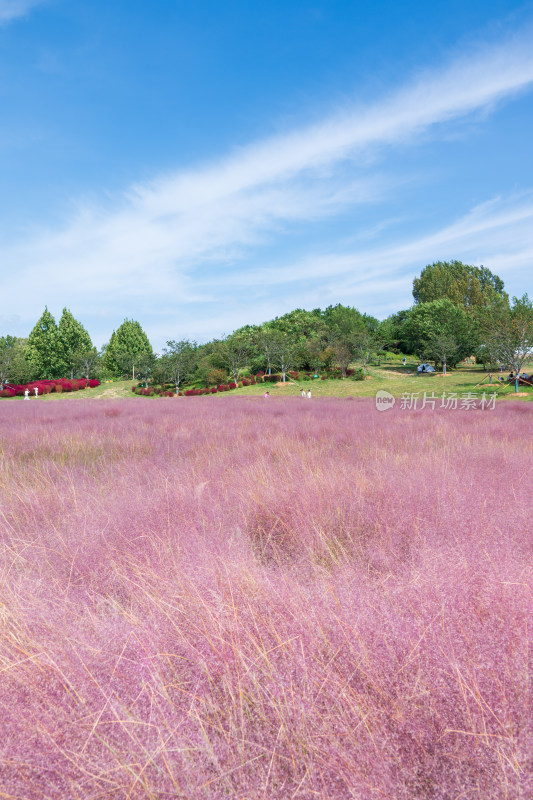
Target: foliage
(428,325)
(178,360)
(44,351)
(232,354)
(12,358)
(462,284)
(365,345)
(128,347)
(508,337)
(75,343)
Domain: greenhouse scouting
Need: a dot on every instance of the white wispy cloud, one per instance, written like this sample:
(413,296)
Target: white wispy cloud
(498,233)
(158,238)
(12,9)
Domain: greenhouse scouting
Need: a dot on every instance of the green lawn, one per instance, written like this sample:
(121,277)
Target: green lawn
(390,376)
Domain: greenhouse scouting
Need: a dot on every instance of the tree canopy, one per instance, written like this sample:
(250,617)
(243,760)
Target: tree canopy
(463,284)
(129,346)
(45,351)
(75,341)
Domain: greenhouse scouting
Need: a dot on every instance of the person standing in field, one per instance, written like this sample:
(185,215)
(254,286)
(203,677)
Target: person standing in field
(26,394)
(309,394)
(267,394)
(303,392)
(36,390)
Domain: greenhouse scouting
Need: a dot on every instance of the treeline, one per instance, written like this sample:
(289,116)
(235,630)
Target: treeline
(459,310)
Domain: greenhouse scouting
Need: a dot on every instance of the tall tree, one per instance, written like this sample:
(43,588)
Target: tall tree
(463,284)
(75,341)
(232,354)
(511,335)
(343,349)
(8,346)
(365,344)
(128,344)
(439,320)
(178,360)
(88,361)
(284,353)
(45,351)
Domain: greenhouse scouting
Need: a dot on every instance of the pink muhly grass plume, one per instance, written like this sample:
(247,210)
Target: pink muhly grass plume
(239,599)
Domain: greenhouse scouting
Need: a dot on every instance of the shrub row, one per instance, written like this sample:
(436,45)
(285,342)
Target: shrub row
(47,386)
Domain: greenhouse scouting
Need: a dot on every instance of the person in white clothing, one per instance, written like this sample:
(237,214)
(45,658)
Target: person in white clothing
(303,392)
(26,394)
(309,394)
(36,390)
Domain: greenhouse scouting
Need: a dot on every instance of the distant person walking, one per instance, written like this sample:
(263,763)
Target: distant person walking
(404,361)
(26,394)
(303,393)
(309,394)
(36,390)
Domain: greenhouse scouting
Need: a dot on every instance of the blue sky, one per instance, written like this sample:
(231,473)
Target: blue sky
(201,164)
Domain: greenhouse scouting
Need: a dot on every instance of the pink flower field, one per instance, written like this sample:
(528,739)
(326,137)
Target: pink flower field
(255,599)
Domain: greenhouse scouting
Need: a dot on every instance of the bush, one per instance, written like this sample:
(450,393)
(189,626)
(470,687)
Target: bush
(213,390)
(58,388)
(216,376)
(357,375)
(93,383)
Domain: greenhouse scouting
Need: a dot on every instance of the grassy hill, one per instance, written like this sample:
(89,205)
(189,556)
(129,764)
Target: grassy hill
(390,376)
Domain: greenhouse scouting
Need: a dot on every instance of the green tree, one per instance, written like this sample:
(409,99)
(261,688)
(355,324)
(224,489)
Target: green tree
(232,354)
(8,346)
(20,369)
(285,353)
(88,361)
(343,349)
(75,341)
(510,335)
(365,345)
(178,360)
(438,323)
(127,347)
(463,284)
(45,351)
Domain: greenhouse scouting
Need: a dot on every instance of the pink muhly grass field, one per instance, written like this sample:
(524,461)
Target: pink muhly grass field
(265,599)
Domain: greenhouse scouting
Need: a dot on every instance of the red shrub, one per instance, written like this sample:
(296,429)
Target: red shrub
(93,383)
(58,388)
(214,390)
